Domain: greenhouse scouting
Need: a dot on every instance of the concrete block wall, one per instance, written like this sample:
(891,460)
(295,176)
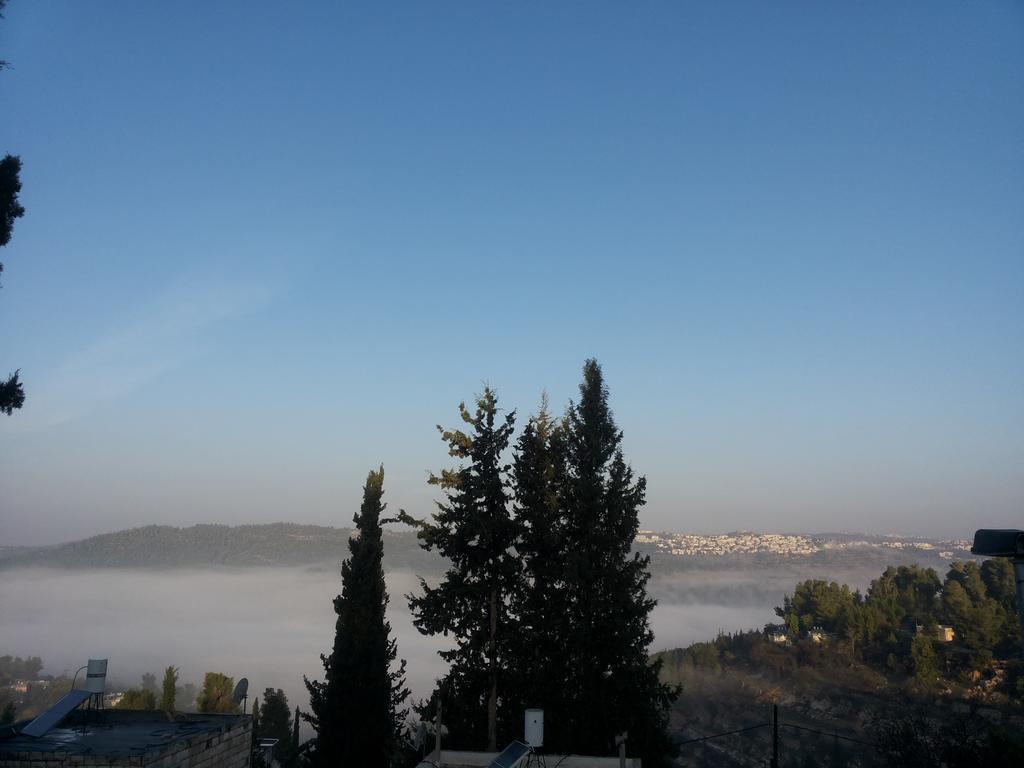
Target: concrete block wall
(227,748)
(230,748)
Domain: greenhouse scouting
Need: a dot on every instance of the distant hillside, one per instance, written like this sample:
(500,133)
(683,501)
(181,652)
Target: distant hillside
(735,578)
(163,546)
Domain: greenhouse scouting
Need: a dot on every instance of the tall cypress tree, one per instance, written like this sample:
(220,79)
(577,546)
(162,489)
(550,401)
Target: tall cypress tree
(257,755)
(474,530)
(356,709)
(169,689)
(610,681)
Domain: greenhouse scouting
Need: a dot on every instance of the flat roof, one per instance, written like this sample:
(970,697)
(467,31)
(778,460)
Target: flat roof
(119,732)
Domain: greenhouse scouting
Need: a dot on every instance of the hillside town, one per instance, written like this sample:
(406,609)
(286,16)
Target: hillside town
(748,542)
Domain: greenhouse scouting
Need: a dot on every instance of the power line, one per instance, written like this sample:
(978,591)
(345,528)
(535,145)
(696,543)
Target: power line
(824,733)
(725,733)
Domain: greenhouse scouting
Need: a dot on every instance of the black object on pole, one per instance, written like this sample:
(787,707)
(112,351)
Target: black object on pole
(775,736)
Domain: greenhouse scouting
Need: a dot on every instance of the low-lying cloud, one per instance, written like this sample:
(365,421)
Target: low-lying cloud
(272,624)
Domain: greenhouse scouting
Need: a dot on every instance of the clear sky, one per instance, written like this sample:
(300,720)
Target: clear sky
(270,245)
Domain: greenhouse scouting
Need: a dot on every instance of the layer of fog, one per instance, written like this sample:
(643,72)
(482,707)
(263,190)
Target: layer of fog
(272,624)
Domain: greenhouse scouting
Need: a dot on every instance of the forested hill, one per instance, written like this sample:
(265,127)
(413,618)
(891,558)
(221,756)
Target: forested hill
(164,546)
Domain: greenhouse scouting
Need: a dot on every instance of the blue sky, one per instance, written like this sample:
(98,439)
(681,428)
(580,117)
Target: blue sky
(269,246)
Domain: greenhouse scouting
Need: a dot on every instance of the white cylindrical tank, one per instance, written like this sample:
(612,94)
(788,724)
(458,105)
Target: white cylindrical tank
(534,728)
(96,676)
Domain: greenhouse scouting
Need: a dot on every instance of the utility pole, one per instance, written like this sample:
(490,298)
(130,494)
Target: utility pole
(437,731)
(620,739)
(775,736)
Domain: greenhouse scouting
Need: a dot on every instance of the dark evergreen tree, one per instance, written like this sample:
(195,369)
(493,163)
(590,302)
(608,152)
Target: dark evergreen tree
(356,709)
(473,528)
(540,603)
(12,395)
(257,754)
(613,685)
(275,723)
(10,207)
(169,689)
(295,731)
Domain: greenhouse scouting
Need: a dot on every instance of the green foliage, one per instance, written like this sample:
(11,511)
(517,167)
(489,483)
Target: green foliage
(615,686)
(896,626)
(981,621)
(356,709)
(275,723)
(217,694)
(169,689)
(818,603)
(42,690)
(1000,584)
(698,656)
(9,713)
(135,698)
(474,530)
(540,604)
(546,601)
(923,660)
(16,668)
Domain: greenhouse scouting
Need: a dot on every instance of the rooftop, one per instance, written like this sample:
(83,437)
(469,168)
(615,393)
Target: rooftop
(120,733)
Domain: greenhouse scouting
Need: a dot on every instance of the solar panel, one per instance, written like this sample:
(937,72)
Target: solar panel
(51,717)
(511,756)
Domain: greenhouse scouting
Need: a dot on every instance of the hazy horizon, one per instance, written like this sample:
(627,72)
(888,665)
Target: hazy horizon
(13,542)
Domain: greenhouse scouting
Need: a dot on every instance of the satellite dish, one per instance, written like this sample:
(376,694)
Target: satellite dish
(241,691)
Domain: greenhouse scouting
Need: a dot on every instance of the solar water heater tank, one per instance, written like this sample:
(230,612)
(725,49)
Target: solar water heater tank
(534,728)
(96,676)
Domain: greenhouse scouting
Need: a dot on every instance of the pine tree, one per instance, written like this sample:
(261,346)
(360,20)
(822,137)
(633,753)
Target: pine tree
(356,709)
(612,684)
(295,731)
(169,689)
(474,530)
(540,604)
